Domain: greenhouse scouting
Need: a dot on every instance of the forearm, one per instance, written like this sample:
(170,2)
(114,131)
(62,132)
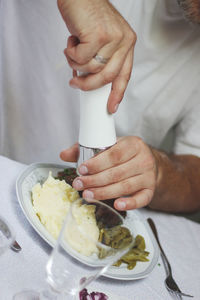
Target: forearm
(73,15)
(178,183)
(191,9)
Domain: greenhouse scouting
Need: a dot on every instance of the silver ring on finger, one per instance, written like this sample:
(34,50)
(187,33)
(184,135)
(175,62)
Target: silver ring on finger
(100,59)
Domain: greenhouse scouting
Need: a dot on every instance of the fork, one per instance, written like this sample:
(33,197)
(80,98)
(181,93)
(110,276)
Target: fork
(16,247)
(170,283)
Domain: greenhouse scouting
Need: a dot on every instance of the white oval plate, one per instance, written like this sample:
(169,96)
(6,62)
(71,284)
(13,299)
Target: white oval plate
(38,172)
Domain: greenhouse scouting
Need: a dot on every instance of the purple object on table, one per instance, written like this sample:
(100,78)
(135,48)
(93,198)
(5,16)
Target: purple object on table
(92,296)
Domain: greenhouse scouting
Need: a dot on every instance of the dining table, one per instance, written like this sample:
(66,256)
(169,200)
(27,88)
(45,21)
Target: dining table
(25,270)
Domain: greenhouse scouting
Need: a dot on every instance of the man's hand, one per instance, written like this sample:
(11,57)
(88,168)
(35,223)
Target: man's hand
(127,171)
(96,27)
(138,175)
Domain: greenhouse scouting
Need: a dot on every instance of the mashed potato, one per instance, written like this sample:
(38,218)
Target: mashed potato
(83,232)
(51,202)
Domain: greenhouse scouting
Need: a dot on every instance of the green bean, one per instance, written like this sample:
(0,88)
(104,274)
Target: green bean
(131,265)
(139,242)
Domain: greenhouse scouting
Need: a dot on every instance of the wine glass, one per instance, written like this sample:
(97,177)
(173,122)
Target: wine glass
(93,237)
(6,235)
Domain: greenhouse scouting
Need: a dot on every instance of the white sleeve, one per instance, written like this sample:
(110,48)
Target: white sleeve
(187,132)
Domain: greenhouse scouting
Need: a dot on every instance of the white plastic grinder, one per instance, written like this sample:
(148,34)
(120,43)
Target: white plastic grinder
(97,129)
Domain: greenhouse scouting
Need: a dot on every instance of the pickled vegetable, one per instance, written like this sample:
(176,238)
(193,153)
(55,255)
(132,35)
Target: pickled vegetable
(120,237)
(117,237)
(137,253)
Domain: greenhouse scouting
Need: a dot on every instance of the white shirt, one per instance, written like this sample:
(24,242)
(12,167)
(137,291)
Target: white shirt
(39,112)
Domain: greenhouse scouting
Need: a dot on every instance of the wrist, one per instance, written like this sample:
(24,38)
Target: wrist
(158,156)
(67,5)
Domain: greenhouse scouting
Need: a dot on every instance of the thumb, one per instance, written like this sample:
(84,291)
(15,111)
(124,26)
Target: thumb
(71,154)
(82,51)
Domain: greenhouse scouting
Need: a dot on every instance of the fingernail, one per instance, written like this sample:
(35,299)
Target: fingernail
(83,170)
(88,195)
(74,86)
(77,184)
(116,107)
(121,205)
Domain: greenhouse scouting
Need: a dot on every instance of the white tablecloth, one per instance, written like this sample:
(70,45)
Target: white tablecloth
(26,270)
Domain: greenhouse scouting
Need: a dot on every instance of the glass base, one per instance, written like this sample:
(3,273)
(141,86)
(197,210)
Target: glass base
(44,295)
(27,295)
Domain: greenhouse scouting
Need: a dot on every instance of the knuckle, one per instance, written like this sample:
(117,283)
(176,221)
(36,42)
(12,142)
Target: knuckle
(88,181)
(132,203)
(95,68)
(114,175)
(138,140)
(69,54)
(148,162)
(108,77)
(124,78)
(151,183)
(115,156)
(80,59)
(127,186)
(140,144)
(127,76)
(118,35)
(131,37)
(148,198)
(85,87)
(99,194)
(70,62)
(94,165)
(102,35)
(135,142)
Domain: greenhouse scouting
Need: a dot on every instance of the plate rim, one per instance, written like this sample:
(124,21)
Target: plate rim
(51,241)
